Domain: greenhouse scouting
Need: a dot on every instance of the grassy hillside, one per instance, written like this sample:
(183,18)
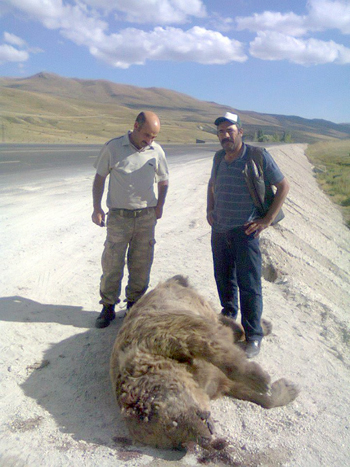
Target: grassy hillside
(332,166)
(50,108)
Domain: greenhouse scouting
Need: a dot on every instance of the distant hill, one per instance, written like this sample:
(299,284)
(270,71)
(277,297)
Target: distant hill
(50,108)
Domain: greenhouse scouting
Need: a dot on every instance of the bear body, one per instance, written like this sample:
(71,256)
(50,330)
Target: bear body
(172,355)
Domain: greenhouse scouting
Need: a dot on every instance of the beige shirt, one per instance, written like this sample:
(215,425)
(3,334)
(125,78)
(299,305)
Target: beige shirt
(133,174)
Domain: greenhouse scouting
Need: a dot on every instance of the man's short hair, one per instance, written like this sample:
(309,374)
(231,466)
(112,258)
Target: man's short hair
(141,118)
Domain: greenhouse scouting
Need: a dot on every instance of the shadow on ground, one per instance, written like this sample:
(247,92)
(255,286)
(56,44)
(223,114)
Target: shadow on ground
(71,381)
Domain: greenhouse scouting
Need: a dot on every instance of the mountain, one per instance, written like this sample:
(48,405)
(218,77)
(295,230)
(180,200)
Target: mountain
(50,108)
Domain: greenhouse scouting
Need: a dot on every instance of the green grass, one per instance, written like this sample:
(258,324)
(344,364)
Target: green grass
(333,159)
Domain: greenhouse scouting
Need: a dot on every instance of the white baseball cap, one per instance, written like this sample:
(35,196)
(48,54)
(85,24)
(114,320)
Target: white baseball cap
(232,118)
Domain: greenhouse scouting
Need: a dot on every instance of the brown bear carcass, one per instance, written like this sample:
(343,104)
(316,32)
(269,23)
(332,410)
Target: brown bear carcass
(174,354)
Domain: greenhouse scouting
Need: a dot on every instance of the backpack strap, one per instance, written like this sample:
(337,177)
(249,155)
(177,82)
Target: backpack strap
(218,157)
(254,176)
(260,191)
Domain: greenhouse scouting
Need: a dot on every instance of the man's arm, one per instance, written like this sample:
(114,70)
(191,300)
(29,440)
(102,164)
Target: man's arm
(162,192)
(258,225)
(210,202)
(98,215)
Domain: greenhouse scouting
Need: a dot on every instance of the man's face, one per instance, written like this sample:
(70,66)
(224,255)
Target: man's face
(144,135)
(230,136)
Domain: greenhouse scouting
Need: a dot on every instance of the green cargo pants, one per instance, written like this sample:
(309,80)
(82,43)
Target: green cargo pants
(133,238)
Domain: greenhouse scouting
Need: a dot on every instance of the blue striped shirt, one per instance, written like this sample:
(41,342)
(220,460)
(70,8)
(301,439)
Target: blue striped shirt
(233,205)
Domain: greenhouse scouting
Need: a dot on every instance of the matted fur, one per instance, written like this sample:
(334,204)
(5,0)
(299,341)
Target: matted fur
(172,355)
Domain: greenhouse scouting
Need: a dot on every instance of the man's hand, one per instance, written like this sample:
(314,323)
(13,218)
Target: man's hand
(162,192)
(159,211)
(257,226)
(210,218)
(98,217)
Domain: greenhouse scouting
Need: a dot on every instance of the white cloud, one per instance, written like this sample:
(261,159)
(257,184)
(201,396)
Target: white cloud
(322,15)
(133,46)
(277,46)
(73,21)
(278,35)
(13,39)
(162,11)
(8,53)
(41,10)
(326,14)
(152,11)
(54,14)
(288,23)
(220,23)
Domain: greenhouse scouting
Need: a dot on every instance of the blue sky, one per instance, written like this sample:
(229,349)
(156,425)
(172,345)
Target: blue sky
(289,57)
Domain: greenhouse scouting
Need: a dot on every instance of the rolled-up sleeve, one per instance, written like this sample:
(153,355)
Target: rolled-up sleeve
(162,173)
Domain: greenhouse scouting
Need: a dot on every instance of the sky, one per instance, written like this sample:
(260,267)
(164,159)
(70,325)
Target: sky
(287,57)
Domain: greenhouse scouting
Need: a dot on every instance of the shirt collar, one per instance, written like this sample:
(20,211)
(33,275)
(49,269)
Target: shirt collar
(127,142)
(242,156)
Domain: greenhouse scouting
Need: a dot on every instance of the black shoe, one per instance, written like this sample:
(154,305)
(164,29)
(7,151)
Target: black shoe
(106,316)
(229,313)
(129,304)
(252,348)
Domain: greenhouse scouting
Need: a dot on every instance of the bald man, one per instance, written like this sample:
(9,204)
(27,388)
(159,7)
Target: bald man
(138,183)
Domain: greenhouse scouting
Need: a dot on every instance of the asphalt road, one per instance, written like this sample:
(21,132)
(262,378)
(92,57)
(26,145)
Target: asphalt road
(20,162)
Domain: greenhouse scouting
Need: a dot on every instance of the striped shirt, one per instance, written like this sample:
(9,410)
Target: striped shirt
(233,205)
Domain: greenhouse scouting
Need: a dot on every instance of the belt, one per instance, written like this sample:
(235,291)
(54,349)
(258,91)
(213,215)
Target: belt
(132,212)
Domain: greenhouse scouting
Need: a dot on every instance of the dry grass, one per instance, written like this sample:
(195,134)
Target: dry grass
(47,108)
(47,119)
(333,158)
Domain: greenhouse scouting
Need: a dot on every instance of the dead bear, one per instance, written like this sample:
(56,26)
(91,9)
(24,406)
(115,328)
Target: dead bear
(174,354)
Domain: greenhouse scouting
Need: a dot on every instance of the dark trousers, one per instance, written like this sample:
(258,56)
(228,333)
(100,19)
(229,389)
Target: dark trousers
(237,271)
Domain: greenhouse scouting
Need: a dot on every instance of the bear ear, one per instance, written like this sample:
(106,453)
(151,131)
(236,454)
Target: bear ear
(181,280)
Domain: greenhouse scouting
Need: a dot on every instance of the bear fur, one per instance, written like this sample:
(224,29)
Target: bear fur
(174,354)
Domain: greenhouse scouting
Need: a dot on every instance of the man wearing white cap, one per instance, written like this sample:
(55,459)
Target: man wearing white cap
(241,204)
